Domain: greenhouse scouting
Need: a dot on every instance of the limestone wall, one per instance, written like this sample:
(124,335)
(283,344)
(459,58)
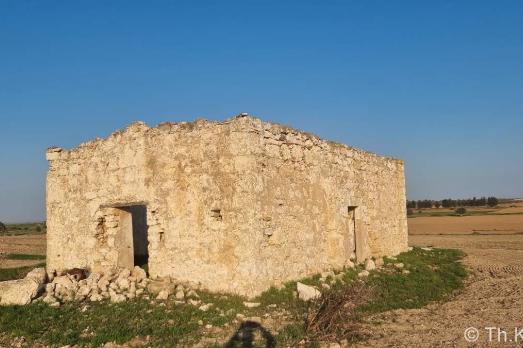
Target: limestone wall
(303,205)
(236,206)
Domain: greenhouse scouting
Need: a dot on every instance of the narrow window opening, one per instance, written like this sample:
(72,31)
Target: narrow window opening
(351,211)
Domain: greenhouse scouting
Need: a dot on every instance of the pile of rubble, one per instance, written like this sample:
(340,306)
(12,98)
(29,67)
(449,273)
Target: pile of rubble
(330,278)
(116,286)
(82,286)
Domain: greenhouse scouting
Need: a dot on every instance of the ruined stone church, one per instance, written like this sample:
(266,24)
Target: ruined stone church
(236,206)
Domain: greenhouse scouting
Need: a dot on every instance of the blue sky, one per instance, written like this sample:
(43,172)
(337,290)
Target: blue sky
(438,84)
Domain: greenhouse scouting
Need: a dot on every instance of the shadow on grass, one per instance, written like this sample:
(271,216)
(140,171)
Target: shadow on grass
(245,335)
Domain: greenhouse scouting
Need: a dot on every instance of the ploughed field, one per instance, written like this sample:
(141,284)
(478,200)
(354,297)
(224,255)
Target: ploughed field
(478,224)
(493,293)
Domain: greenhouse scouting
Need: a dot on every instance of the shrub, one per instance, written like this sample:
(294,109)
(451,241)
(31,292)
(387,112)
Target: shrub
(461,211)
(38,229)
(3,229)
(410,212)
(492,201)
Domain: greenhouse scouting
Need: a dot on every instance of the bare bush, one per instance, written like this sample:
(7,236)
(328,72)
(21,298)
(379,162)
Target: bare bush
(334,315)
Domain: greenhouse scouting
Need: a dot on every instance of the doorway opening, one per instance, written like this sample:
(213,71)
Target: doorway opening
(133,241)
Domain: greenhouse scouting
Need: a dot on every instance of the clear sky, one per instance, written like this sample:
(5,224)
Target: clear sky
(436,83)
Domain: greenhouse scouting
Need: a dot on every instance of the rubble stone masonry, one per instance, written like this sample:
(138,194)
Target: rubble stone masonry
(236,206)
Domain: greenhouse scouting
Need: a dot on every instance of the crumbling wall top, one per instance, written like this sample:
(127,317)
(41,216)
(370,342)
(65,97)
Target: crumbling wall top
(242,121)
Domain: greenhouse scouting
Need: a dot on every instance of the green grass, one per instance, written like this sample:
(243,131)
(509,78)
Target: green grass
(16,273)
(103,323)
(25,257)
(434,276)
(291,335)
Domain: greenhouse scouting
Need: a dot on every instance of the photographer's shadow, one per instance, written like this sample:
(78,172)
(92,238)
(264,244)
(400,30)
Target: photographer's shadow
(244,336)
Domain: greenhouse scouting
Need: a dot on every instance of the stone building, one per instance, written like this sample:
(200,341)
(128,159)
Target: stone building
(236,206)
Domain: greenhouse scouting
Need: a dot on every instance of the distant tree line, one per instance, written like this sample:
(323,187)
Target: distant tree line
(453,203)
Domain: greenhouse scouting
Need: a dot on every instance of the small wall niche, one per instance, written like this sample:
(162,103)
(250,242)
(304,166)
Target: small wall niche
(216,214)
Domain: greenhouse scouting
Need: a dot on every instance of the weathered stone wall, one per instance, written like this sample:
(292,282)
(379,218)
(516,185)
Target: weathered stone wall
(236,206)
(303,203)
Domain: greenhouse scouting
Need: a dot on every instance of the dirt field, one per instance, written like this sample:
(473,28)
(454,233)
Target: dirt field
(511,208)
(23,244)
(493,297)
(483,224)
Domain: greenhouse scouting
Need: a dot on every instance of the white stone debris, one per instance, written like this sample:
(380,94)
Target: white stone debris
(180,295)
(205,307)
(307,293)
(363,274)
(163,295)
(23,291)
(370,265)
(194,303)
(112,286)
(192,293)
(399,265)
(252,304)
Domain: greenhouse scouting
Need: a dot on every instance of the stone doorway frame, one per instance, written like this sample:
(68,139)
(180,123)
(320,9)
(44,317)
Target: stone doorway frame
(122,229)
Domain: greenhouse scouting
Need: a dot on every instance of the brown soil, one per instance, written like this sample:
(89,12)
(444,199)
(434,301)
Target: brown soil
(483,224)
(492,297)
(22,244)
(515,207)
